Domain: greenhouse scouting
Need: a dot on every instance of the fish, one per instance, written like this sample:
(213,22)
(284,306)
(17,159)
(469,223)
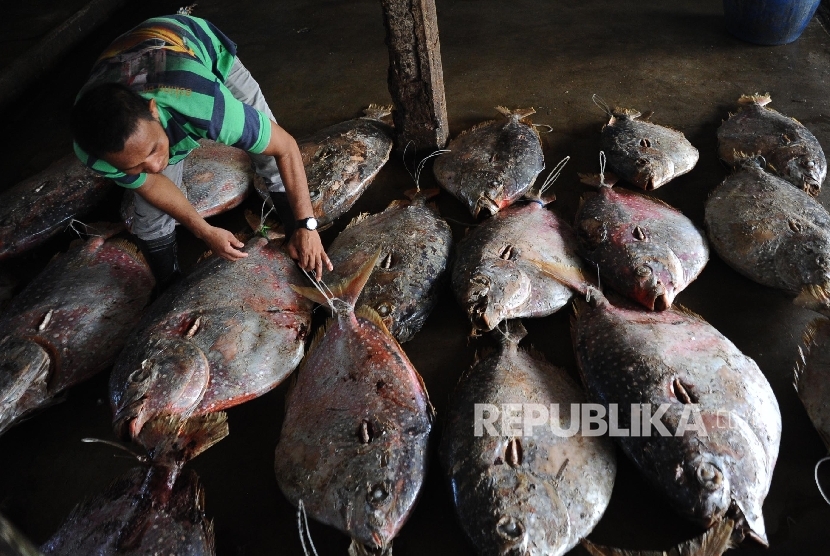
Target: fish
(643,248)
(342,160)
(13,542)
(227,333)
(788,147)
(534,493)
(497,270)
(492,164)
(215,179)
(151,509)
(69,323)
(811,375)
(643,153)
(353,445)
(772,233)
(716,422)
(45,204)
(415,244)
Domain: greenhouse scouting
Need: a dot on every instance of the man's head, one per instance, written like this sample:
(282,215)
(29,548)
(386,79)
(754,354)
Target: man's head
(114,123)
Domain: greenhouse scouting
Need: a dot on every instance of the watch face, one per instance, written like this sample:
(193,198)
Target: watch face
(311,223)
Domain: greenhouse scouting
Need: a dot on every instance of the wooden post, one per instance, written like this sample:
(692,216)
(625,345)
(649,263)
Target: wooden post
(416,80)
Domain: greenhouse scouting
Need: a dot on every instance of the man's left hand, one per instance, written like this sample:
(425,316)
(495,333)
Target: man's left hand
(306,248)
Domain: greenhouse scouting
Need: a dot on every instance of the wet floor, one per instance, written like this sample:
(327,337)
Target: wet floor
(320,62)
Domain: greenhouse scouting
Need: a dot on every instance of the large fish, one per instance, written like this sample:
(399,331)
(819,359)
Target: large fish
(415,244)
(227,333)
(812,376)
(215,179)
(353,446)
(712,464)
(45,204)
(492,164)
(156,509)
(342,160)
(644,248)
(772,233)
(69,323)
(642,153)
(532,492)
(784,142)
(497,273)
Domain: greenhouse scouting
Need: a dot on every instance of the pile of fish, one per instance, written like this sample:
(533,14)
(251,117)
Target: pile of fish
(353,445)
(69,323)
(533,492)
(415,246)
(492,164)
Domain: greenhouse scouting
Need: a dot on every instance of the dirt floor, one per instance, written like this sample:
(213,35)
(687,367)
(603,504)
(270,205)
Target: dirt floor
(320,62)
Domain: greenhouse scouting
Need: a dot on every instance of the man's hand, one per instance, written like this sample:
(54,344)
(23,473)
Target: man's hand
(223,243)
(306,248)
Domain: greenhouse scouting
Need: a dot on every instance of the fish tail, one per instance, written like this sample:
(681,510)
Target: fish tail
(377,111)
(425,194)
(815,297)
(535,194)
(760,100)
(347,290)
(175,441)
(519,113)
(358,549)
(714,542)
(565,274)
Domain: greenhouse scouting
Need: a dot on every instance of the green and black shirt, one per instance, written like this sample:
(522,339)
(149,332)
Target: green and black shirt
(182,62)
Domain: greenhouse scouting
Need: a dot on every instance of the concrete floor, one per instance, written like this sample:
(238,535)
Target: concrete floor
(322,61)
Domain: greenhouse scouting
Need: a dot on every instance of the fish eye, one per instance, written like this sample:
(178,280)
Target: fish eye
(709,476)
(809,164)
(378,495)
(510,528)
(643,270)
(140,375)
(384,309)
(314,194)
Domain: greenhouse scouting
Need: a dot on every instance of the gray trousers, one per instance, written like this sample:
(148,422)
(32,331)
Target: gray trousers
(148,222)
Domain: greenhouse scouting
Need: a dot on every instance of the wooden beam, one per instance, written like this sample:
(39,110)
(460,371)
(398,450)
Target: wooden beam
(416,79)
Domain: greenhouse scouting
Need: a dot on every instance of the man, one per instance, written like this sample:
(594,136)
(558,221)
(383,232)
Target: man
(151,95)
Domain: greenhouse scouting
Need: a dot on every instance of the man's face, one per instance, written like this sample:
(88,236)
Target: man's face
(145,151)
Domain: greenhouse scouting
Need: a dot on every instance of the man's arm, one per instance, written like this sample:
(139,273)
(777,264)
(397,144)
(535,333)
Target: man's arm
(163,194)
(305,245)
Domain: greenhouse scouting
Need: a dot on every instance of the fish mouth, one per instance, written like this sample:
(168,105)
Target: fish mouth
(130,419)
(485,202)
(750,526)
(662,302)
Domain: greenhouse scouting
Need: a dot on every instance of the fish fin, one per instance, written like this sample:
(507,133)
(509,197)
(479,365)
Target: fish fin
(176,441)
(513,331)
(815,297)
(347,290)
(595,180)
(808,339)
(357,549)
(627,112)
(372,316)
(357,220)
(760,100)
(377,111)
(714,542)
(647,115)
(128,247)
(424,194)
(520,114)
(567,275)
(687,312)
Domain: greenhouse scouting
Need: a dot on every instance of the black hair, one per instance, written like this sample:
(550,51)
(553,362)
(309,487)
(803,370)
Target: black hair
(105,116)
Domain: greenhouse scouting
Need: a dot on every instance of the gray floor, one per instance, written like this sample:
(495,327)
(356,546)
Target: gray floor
(320,62)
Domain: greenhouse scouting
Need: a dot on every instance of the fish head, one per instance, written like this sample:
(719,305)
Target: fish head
(655,271)
(495,292)
(24,368)
(170,380)
(652,168)
(376,513)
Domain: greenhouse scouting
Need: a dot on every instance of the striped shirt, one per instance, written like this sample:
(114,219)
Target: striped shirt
(182,62)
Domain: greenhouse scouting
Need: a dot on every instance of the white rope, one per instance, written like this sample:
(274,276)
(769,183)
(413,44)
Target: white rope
(821,490)
(601,104)
(554,175)
(421,164)
(302,527)
(317,284)
(602,168)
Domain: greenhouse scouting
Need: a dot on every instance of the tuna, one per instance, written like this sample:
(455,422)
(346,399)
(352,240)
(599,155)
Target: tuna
(353,446)
(227,333)
(215,179)
(155,509)
(498,270)
(643,248)
(642,153)
(69,323)
(789,148)
(532,492)
(704,423)
(342,160)
(45,204)
(772,233)
(415,244)
(812,376)
(494,163)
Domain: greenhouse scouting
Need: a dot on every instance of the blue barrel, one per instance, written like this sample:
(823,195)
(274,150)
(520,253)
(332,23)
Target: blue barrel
(768,21)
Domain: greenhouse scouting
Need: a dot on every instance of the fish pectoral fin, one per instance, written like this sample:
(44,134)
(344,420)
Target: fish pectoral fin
(714,542)
(175,440)
(567,275)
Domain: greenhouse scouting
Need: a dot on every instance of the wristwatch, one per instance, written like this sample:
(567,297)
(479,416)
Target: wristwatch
(309,223)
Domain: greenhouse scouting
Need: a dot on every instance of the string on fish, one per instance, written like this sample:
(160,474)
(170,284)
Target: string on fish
(553,176)
(548,130)
(602,168)
(403,156)
(421,164)
(302,526)
(601,104)
(321,287)
(821,490)
(139,457)
(87,227)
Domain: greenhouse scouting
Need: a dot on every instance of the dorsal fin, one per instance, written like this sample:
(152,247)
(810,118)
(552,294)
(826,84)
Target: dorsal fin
(366,312)
(357,220)
(688,312)
(347,290)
